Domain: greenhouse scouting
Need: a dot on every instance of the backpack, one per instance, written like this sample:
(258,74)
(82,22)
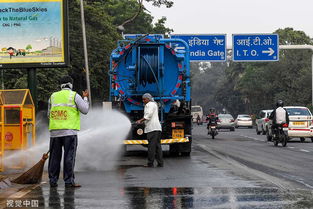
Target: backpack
(280,115)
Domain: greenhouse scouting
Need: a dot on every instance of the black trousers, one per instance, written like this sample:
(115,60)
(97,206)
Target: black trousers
(69,143)
(154,147)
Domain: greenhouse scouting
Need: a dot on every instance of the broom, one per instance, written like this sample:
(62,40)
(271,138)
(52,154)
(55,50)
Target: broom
(34,174)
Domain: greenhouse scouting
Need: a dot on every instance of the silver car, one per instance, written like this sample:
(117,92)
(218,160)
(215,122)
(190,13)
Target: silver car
(226,121)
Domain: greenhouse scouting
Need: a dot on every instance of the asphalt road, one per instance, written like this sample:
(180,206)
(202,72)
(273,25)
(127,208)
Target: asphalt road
(236,170)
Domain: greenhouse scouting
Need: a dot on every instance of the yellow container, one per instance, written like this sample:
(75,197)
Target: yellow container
(17,122)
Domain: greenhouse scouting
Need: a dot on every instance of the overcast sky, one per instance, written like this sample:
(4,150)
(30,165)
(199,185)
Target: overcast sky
(236,16)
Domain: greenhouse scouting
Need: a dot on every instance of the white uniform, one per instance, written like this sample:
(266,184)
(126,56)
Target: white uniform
(151,114)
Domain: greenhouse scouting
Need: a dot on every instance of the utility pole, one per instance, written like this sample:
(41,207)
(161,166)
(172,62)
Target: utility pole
(85,49)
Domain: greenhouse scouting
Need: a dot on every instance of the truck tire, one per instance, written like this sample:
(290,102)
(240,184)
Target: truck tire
(302,139)
(186,154)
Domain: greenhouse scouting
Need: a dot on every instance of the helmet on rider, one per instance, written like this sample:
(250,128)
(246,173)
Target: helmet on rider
(212,110)
(280,103)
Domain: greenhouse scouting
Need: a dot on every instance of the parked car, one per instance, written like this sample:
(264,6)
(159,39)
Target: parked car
(300,123)
(243,121)
(226,121)
(262,121)
(195,112)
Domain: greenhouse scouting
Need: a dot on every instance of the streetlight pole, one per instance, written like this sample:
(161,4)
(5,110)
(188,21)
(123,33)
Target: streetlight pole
(85,49)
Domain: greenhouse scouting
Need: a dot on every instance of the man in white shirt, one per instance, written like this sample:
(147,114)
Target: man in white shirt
(152,129)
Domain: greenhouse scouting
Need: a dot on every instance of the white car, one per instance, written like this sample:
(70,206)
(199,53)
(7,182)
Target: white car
(300,123)
(262,121)
(243,121)
(195,112)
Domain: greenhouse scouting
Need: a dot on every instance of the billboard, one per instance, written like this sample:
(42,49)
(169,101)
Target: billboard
(33,33)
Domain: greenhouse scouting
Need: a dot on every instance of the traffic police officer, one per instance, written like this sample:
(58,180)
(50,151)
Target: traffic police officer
(64,122)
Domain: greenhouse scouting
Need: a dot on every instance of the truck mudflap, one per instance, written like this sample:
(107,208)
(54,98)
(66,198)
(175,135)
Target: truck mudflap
(163,141)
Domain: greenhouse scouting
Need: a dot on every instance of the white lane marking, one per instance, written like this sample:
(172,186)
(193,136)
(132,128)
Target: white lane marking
(249,137)
(291,147)
(304,150)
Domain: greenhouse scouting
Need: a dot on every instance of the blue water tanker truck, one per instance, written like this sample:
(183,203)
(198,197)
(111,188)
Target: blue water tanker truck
(152,64)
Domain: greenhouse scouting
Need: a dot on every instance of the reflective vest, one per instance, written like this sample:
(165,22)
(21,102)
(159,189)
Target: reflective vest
(63,112)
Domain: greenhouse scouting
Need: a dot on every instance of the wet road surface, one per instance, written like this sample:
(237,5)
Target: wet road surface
(236,170)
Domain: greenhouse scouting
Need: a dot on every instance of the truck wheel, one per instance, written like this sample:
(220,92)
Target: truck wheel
(233,129)
(186,154)
(174,154)
(312,139)
(302,139)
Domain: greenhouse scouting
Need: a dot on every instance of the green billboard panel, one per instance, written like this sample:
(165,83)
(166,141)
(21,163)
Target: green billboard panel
(33,33)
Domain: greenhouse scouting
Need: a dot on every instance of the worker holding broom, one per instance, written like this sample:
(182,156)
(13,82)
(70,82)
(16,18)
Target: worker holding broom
(64,122)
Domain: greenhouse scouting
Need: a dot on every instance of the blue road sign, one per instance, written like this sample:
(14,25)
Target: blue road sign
(256,47)
(204,47)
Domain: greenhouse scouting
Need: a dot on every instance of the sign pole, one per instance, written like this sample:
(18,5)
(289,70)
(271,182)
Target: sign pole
(32,84)
(85,49)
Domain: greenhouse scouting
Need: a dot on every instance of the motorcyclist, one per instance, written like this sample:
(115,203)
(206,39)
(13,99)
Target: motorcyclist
(211,118)
(198,120)
(279,116)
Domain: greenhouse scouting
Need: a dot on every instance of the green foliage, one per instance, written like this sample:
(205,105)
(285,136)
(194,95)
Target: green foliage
(102,18)
(158,3)
(28,47)
(205,78)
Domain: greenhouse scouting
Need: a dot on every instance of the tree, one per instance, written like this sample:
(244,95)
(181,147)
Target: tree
(102,18)
(258,86)
(28,47)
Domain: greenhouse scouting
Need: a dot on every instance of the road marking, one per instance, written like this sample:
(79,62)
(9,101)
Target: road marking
(291,147)
(249,137)
(304,150)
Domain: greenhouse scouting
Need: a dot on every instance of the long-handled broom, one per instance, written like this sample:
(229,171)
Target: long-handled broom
(34,174)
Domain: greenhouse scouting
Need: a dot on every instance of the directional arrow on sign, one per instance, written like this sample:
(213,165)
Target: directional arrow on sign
(179,48)
(270,51)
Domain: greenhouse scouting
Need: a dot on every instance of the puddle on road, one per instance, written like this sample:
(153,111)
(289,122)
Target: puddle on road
(174,198)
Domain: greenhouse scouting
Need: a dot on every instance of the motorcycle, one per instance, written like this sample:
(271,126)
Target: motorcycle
(212,130)
(281,135)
